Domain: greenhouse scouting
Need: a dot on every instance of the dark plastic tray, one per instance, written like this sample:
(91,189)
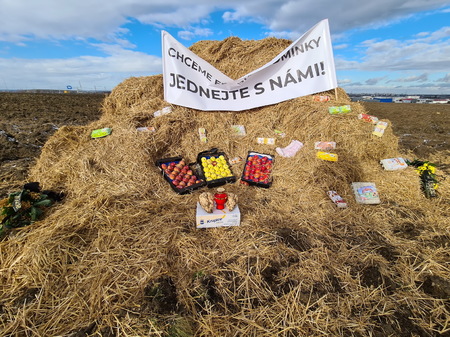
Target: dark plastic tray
(186,189)
(216,182)
(258,181)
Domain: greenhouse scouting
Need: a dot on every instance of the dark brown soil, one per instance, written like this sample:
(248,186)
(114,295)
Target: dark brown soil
(26,122)
(422,128)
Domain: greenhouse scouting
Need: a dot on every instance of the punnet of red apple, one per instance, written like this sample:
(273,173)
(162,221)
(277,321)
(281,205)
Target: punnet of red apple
(258,169)
(180,175)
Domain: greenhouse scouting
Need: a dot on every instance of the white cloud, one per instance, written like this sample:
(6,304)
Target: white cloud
(373,81)
(420,78)
(89,71)
(54,19)
(193,32)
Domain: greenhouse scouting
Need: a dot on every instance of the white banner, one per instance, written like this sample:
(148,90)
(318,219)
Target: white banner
(304,68)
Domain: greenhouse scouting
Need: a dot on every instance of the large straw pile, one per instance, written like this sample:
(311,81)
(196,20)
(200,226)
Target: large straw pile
(120,256)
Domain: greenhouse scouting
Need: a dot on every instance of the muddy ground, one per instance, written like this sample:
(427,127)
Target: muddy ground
(27,120)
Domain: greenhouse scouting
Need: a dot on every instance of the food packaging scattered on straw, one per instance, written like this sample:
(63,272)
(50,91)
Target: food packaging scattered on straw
(393,164)
(163,111)
(202,134)
(238,130)
(235,160)
(368,118)
(146,129)
(99,133)
(334,110)
(365,193)
(319,98)
(279,133)
(327,156)
(266,141)
(325,146)
(379,129)
(337,199)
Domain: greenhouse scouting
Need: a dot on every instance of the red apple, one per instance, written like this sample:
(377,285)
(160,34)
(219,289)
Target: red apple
(175,182)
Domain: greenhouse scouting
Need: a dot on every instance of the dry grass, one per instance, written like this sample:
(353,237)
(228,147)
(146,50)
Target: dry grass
(120,256)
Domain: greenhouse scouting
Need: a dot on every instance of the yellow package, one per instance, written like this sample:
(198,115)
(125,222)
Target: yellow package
(327,156)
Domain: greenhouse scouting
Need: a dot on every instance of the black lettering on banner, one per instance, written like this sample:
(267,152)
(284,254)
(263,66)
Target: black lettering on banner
(204,92)
(191,86)
(172,75)
(289,78)
(309,73)
(300,49)
(244,92)
(188,61)
(225,93)
(233,92)
(180,81)
(278,83)
(259,88)
(215,94)
(281,82)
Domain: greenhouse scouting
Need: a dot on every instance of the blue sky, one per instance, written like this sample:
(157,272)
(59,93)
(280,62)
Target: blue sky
(386,46)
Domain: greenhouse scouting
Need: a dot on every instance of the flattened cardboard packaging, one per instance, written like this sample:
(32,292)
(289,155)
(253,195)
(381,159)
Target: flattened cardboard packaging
(218,218)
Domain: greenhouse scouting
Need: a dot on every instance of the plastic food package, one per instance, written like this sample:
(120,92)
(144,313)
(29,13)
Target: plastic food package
(266,141)
(393,164)
(215,168)
(163,111)
(319,98)
(337,199)
(334,110)
(365,193)
(238,130)
(324,146)
(202,134)
(182,177)
(280,133)
(379,129)
(258,169)
(368,118)
(146,129)
(99,133)
(327,156)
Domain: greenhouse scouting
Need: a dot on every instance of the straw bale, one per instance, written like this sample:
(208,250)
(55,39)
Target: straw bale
(120,255)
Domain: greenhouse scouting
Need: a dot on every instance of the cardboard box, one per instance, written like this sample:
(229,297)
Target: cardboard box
(218,218)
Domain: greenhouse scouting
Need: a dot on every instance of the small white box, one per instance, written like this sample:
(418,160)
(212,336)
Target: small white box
(218,218)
